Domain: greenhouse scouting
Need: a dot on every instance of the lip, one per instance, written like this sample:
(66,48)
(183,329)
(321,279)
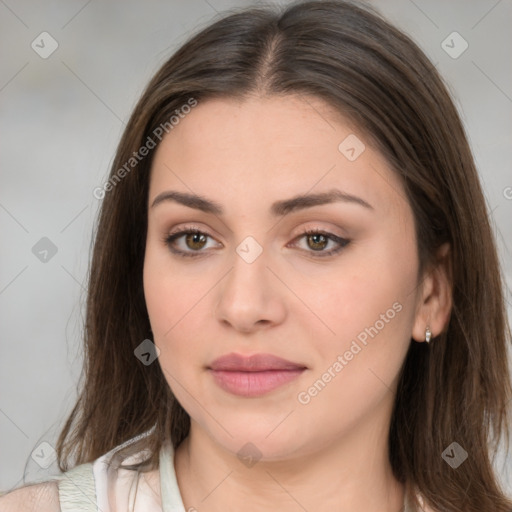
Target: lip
(252,376)
(255,363)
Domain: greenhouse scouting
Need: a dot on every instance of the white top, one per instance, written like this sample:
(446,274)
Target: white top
(104,486)
(95,487)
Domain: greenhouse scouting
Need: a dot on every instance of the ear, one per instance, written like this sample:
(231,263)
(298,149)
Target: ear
(434,297)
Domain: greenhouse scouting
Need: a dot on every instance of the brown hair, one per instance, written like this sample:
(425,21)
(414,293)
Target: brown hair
(455,389)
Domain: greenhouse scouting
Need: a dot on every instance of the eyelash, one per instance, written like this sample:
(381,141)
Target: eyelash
(170,239)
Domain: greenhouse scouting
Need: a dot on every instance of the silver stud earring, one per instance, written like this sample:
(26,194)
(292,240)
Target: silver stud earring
(428,334)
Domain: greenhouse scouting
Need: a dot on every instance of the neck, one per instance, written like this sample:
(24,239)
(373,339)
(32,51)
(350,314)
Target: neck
(352,473)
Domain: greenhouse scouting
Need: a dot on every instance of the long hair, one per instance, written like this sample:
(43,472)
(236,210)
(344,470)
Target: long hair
(457,388)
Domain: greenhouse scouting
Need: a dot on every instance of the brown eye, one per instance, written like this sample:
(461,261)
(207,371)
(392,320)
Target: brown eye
(195,241)
(317,241)
(321,243)
(190,242)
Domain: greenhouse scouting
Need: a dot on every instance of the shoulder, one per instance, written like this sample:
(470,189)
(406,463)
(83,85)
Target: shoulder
(42,497)
(88,486)
(69,491)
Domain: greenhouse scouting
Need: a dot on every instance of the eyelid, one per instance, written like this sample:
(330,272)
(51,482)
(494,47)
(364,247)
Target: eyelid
(186,228)
(341,241)
(182,231)
(190,229)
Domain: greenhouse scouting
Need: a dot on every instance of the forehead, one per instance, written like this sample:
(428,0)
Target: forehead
(270,148)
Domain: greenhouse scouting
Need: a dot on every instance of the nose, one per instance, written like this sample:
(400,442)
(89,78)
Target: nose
(250,298)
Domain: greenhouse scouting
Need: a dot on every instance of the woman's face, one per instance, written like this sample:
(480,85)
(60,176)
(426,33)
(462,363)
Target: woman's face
(339,306)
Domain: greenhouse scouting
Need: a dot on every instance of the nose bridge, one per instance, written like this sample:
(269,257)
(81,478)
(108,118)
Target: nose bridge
(248,276)
(247,296)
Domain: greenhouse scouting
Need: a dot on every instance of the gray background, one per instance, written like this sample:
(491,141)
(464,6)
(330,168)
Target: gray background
(61,119)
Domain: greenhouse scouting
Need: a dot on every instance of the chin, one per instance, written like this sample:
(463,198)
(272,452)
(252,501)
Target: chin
(257,441)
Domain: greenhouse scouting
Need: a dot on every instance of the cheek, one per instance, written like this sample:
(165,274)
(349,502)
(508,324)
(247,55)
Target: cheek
(371,313)
(164,298)
(370,298)
(168,292)
(177,309)
(165,308)
(156,293)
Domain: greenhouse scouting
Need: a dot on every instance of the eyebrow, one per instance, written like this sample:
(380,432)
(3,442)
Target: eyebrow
(279,208)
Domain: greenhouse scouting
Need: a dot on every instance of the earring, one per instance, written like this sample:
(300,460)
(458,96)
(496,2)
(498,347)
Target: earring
(428,334)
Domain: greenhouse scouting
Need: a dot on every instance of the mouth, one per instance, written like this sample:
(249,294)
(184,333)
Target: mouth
(253,376)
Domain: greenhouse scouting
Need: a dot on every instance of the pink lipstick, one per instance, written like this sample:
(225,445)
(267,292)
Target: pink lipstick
(253,376)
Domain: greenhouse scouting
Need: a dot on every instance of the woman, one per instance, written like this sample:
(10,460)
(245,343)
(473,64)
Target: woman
(295,300)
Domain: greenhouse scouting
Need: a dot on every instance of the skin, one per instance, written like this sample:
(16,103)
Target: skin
(331,453)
